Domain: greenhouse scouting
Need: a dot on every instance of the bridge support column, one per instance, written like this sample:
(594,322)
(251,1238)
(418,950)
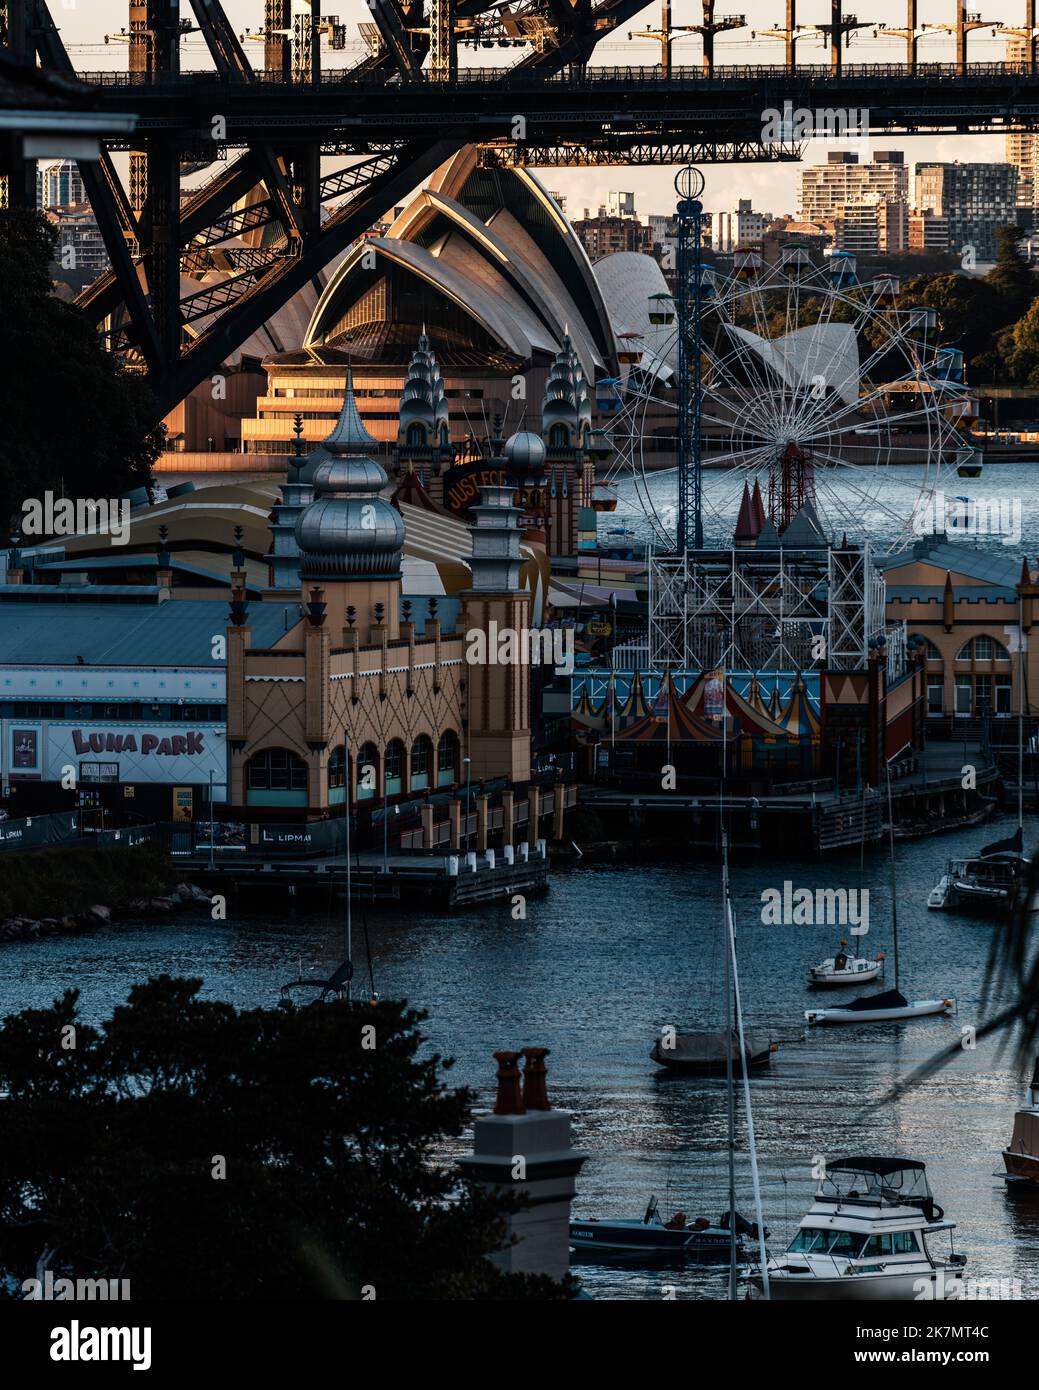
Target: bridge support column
(17,174)
(162,239)
(708,37)
(507,812)
(961,32)
(836,34)
(791,28)
(277,30)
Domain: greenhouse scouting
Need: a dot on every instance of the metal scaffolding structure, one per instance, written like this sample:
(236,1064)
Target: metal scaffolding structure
(775,610)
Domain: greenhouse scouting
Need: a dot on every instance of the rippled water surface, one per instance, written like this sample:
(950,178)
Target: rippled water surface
(601,962)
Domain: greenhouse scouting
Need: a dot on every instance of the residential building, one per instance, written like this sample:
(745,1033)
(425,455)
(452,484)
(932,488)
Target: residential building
(843,182)
(976,198)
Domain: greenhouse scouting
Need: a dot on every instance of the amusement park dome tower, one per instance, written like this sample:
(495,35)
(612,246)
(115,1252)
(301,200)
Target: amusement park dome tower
(351,538)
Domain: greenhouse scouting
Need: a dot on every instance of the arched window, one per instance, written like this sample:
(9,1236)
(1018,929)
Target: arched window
(447,758)
(421,763)
(367,771)
(337,776)
(933,654)
(416,436)
(558,437)
(983,648)
(276,777)
(393,770)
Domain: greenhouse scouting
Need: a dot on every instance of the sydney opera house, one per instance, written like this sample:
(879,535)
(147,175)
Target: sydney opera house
(484,263)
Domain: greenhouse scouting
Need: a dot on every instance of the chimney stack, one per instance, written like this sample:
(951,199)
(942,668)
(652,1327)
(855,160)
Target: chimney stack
(524,1147)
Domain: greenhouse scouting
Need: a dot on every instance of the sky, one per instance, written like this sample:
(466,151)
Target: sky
(772,187)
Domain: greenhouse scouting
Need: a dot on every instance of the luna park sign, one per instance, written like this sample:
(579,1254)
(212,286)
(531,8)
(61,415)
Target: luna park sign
(168,746)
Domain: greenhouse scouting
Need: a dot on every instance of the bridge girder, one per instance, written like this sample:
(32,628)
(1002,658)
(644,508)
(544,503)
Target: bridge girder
(277,132)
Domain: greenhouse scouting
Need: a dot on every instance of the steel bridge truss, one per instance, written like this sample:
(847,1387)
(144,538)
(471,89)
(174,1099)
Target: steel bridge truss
(403,110)
(782,611)
(153,238)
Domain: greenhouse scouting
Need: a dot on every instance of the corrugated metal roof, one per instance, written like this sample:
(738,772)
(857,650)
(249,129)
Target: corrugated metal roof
(176,633)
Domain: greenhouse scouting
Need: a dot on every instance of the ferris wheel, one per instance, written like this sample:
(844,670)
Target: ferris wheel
(817,386)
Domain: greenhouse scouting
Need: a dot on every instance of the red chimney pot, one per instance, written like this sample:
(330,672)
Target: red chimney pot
(535,1093)
(509,1099)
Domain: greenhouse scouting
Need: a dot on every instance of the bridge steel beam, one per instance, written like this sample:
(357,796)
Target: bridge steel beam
(255,307)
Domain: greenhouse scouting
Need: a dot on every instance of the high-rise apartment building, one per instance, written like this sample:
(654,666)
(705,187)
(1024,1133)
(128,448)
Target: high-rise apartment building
(1022,148)
(843,182)
(742,226)
(977,199)
(60,185)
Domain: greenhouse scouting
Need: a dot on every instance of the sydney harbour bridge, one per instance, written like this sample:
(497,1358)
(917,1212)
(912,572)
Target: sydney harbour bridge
(410,104)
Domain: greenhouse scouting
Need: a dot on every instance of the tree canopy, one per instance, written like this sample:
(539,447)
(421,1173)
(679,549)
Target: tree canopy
(205,1152)
(75,422)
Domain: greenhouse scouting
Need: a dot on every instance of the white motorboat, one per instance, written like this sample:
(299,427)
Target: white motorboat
(887,1007)
(865,1236)
(843,969)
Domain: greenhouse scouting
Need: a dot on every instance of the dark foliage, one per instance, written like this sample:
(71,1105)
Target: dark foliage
(74,422)
(203,1152)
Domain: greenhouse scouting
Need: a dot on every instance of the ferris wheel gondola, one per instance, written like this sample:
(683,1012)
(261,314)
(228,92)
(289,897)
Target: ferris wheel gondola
(807,362)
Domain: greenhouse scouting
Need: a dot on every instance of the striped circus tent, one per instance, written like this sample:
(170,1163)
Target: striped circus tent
(681,725)
(585,714)
(800,719)
(755,697)
(774,709)
(752,721)
(634,706)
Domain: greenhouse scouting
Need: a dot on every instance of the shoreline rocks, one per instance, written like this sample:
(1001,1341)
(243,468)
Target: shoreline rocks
(24,928)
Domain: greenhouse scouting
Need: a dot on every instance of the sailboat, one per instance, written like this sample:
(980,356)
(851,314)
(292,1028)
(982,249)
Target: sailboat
(652,1236)
(891,1005)
(1021,1155)
(339,984)
(844,969)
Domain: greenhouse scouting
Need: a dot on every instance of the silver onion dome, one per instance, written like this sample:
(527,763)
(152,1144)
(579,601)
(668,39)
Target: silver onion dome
(349,530)
(525,454)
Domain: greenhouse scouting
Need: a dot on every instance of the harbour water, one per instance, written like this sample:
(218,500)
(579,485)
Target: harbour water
(876,505)
(608,957)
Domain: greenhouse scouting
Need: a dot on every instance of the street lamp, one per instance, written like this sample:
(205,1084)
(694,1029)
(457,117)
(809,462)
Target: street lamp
(466,763)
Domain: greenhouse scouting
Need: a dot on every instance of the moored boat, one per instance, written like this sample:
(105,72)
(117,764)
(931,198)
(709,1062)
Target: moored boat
(703,1050)
(865,1237)
(991,881)
(1021,1155)
(844,969)
(652,1236)
(887,1007)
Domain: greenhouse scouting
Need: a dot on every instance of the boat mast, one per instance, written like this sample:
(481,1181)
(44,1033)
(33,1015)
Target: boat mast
(1021,640)
(729,1088)
(730,952)
(891,858)
(349,920)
